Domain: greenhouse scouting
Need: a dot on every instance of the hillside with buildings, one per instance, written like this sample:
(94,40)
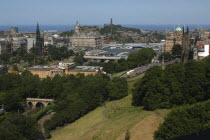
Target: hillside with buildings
(111,33)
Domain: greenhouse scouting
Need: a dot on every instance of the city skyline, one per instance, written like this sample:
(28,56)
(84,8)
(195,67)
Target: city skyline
(134,12)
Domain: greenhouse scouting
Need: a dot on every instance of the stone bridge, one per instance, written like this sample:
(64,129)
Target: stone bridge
(34,103)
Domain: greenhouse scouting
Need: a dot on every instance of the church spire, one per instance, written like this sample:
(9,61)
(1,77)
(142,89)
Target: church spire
(39,41)
(37,29)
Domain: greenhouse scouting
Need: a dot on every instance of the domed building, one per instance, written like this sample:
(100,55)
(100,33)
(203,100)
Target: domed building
(179,29)
(172,38)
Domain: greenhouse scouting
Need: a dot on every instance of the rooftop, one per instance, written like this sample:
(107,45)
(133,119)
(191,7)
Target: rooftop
(178,28)
(87,68)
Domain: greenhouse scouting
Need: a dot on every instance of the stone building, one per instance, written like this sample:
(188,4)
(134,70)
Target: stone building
(104,40)
(14,31)
(203,51)
(46,71)
(85,39)
(20,43)
(185,45)
(31,43)
(5,47)
(174,37)
(64,69)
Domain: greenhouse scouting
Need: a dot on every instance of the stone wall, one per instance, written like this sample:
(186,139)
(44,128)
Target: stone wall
(41,73)
(51,73)
(82,72)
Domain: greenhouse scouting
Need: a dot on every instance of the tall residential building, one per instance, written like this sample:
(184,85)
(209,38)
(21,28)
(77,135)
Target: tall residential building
(31,43)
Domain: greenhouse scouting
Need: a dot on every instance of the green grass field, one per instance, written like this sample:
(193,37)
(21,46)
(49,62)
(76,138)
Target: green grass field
(112,122)
(119,74)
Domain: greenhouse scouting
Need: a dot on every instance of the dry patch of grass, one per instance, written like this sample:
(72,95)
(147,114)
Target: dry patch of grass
(143,130)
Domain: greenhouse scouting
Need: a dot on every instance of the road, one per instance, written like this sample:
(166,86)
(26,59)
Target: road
(142,69)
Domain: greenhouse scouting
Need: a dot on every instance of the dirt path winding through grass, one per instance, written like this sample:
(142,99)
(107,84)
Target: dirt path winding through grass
(95,126)
(114,104)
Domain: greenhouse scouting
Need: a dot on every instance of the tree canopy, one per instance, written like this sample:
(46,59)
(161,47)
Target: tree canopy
(18,127)
(177,50)
(166,56)
(75,95)
(184,120)
(142,57)
(177,84)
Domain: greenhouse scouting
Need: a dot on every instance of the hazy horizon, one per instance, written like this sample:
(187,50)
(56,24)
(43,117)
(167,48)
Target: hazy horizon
(59,27)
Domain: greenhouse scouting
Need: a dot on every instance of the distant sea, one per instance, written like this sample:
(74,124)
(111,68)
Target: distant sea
(32,28)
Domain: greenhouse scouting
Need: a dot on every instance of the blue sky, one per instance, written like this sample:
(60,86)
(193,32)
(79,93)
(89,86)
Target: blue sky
(96,12)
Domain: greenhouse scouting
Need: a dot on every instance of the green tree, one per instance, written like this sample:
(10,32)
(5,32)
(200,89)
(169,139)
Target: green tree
(127,135)
(30,85)
(174,77)
(142,57)
(166,56)
(18,127)
(150,90)
(10,82)
(45,88)
(207,85)
(78,59)
(177,50)
(30,58)
(34,50)
(184,120)
(123,65)
(21,52)
(11,101)
(5,58)
(117,88)
(195,81)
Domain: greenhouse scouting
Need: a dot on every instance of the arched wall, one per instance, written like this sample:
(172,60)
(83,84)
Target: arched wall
(35,101)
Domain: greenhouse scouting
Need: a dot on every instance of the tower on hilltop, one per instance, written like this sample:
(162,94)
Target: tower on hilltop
(77,27)
(111,23)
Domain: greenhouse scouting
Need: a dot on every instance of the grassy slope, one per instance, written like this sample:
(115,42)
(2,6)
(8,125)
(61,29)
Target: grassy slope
(112,122)
(119,74)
